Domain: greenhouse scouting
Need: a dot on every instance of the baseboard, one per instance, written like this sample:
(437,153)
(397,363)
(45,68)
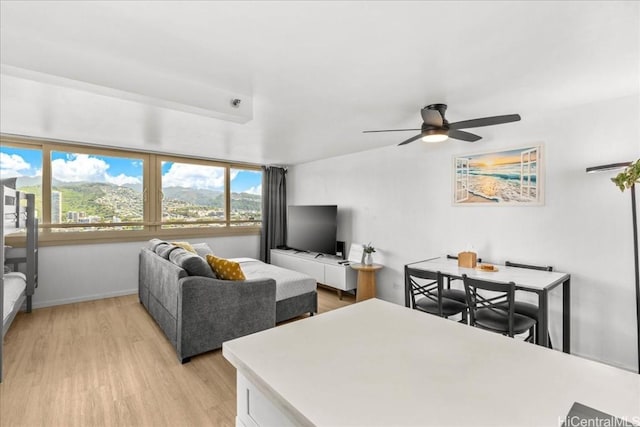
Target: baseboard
(51,303)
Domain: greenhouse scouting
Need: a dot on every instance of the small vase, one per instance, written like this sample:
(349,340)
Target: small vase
(368,259)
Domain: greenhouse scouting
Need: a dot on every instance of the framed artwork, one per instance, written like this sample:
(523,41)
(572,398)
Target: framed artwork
(511,177)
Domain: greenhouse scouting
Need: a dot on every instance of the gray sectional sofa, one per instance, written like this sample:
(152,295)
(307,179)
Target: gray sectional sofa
(198,312)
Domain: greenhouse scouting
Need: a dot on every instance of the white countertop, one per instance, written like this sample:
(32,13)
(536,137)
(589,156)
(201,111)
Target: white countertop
(377,363)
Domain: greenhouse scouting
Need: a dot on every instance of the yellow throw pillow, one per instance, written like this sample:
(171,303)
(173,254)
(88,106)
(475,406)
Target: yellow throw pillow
(225,269)
(184,245)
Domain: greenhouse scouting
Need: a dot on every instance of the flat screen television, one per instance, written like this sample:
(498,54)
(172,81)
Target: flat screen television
(312,228)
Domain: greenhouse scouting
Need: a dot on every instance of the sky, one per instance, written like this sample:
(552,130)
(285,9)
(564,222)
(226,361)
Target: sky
(70,167)
(509,157)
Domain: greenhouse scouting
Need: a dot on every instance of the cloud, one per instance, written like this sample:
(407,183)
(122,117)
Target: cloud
(122,179)
(84,168)
(254,190)
(80,167)
(11,165)
(194,176)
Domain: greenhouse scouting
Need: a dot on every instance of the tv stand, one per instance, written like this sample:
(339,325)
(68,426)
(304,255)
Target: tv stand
(328,270)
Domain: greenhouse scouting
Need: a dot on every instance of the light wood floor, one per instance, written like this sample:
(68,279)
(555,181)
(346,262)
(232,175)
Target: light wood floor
(106,362)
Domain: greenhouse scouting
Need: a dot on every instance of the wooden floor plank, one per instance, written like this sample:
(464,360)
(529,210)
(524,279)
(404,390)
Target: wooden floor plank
(106,362)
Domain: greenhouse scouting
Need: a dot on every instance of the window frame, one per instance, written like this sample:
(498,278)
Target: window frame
(152,196)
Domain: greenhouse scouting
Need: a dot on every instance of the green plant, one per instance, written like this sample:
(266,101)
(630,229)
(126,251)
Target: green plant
(368,248)
(628,177)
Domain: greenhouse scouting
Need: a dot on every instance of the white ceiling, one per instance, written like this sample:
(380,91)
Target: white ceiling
(312,75)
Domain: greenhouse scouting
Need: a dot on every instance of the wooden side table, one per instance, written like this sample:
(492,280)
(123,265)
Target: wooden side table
(366,280)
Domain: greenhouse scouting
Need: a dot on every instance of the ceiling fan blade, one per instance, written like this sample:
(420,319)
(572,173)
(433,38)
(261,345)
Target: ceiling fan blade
(485,121)
(464,136)
(418,136)
(432,117)
(389,130)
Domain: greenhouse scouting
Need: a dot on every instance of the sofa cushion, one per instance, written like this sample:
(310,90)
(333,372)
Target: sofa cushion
(192,263)
(164,249)
(225,269)
(153,244)
(289,283)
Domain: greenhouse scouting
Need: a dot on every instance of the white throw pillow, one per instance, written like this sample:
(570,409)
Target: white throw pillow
(202,249)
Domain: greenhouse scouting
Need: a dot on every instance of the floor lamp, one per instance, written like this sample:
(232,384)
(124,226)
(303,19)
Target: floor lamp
(632,189)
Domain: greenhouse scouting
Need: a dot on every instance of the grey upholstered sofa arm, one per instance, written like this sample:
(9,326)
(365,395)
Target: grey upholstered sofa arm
(211,311)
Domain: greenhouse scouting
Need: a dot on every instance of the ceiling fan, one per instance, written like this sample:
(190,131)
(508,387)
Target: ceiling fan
(435,128)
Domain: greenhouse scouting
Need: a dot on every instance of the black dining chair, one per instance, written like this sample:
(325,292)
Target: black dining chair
(529,309)
(452,293)
(487,309)
(425,289)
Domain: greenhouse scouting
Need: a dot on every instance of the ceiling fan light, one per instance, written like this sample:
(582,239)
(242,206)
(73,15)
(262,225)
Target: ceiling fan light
(435,135)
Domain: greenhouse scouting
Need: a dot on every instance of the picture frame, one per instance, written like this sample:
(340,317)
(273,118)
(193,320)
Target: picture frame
(506,177)
(355,252)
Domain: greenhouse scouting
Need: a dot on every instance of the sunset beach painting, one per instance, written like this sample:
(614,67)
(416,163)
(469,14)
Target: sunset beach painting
(509,177)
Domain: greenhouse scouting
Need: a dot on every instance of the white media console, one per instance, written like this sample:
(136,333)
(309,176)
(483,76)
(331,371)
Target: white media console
(328,270)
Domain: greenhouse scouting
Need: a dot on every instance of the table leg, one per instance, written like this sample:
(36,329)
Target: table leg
(366,285)
(407,290)
(566,316)
(543,318)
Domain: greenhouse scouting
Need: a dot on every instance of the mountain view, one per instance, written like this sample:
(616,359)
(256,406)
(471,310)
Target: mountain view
(92,202)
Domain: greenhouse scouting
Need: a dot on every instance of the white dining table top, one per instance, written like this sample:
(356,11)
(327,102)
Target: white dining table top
(375,363)
(522,277)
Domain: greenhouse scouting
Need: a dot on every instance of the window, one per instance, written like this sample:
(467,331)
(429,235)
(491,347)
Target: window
(24,164)
(246,197)
(85,193)
(193,195)
(96,189)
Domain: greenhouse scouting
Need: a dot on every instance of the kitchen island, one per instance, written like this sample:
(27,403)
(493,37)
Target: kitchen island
(378,363)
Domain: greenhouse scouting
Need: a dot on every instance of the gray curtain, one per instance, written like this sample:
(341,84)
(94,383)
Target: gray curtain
(274,210)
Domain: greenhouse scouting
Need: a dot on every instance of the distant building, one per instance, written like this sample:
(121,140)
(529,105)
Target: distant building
(56,207)
(88,219)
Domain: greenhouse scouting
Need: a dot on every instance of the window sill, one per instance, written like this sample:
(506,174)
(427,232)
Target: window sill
(88,238)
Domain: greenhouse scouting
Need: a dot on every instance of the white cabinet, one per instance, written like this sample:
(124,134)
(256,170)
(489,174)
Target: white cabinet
(302,265)
(340,277)
(326,269)
(254,409)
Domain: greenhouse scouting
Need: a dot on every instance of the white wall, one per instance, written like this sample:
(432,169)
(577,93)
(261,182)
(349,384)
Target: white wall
(80,273)
(399,198)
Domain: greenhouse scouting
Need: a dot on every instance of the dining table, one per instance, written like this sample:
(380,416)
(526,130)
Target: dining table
(529,280)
